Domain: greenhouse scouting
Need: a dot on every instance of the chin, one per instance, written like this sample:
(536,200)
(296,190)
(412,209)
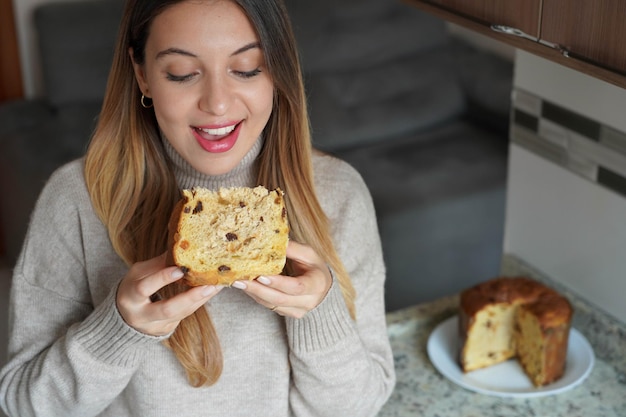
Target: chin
(214,167)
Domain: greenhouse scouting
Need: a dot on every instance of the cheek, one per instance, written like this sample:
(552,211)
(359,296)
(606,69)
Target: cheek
(172,121)
(166,117)
(170,108)
(263,102)
(169,103)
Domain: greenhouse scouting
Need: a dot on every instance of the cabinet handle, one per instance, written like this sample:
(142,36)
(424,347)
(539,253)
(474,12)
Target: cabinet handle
(508,30)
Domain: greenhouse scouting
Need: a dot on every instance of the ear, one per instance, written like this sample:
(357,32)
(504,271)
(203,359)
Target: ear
(140,75)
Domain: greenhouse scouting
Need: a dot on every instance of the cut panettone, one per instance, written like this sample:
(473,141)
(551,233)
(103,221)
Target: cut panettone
(515,317)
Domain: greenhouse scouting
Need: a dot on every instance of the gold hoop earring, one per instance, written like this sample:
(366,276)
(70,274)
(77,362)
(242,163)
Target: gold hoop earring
(143,102)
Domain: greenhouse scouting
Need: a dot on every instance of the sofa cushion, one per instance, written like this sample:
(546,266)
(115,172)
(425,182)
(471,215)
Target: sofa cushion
(21,114)
(27,159)
(353,34)
(349,109)
(439,197)
(77,122)
(420,168)
(76,41)
(29,156)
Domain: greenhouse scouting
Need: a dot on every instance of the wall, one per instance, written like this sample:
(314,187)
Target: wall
(566,204)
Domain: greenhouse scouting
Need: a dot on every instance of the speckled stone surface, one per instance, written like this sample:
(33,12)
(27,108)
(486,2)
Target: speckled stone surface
(422,391)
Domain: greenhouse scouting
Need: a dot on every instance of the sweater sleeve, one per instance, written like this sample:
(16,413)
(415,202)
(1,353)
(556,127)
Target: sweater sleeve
(67,356)
(342,366)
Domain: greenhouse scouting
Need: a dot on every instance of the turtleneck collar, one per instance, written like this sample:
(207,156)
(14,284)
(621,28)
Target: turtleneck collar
(243,175)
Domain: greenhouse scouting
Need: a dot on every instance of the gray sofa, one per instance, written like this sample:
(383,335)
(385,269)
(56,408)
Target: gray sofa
(76,41)
(423,117)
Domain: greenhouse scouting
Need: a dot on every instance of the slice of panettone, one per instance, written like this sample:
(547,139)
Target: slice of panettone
(218,237)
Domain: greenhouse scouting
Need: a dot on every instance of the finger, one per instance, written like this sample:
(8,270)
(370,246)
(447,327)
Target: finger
(295,286)
(268,294)
(301,253)
(281,292)
(282,310)
(140,291)
(304,258)
(268,304)
(163,317)
(142,281)
(143,268)
(183,304)
(146,286)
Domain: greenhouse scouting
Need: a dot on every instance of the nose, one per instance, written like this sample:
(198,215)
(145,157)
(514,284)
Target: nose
(215,96)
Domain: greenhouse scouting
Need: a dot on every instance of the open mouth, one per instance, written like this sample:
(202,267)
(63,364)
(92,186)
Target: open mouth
(217,140)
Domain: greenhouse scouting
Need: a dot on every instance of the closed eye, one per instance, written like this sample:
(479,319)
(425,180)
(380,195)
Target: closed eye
(248,74)
(179,78)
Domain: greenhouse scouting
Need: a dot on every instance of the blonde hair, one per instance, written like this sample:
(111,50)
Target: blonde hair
(133,188)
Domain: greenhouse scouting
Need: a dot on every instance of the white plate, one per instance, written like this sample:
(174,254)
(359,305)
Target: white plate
(506,379)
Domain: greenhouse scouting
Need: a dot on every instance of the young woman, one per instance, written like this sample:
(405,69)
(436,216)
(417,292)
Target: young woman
(201,93)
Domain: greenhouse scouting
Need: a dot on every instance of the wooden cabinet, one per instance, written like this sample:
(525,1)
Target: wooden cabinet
(521,14)
(590,30)
(588,36)
(10,72)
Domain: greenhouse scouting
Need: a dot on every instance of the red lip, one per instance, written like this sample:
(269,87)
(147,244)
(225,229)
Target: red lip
(217,145)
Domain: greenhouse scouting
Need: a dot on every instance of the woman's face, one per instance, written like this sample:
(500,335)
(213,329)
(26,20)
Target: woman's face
(205,72)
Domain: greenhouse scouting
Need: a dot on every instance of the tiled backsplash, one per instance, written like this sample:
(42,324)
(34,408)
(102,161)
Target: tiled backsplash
(584,146)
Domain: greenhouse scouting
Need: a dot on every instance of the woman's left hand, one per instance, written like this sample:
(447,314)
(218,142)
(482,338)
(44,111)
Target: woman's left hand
(292,296)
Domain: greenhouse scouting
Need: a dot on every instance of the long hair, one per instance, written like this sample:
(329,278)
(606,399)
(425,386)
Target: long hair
(132,185)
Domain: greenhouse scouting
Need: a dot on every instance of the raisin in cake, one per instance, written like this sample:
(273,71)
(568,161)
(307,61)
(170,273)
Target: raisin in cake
(217,237)
(515,317)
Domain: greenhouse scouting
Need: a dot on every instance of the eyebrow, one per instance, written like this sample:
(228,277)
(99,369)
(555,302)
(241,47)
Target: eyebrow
(178,51)
(249,46)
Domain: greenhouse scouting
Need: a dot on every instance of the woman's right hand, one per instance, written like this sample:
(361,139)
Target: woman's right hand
(157,318)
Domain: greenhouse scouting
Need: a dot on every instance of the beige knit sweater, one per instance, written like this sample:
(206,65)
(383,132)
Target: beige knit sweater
(71,354)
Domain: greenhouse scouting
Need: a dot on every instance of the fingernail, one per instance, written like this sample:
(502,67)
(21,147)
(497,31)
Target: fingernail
(208,290)
(264,280)
(239,284)
(177,273)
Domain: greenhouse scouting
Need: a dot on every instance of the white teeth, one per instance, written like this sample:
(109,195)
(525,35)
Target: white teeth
(219,132)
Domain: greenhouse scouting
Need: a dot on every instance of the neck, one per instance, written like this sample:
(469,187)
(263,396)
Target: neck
(187,177)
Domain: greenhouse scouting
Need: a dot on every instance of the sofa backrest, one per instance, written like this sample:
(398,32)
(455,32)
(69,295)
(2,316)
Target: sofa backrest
(343,35)
(76,42)
(373,70)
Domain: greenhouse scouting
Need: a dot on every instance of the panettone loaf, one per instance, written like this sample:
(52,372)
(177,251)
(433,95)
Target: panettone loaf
(218,237)
(515,317)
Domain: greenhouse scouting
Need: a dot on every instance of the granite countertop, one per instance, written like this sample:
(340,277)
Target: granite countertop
(422,391)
